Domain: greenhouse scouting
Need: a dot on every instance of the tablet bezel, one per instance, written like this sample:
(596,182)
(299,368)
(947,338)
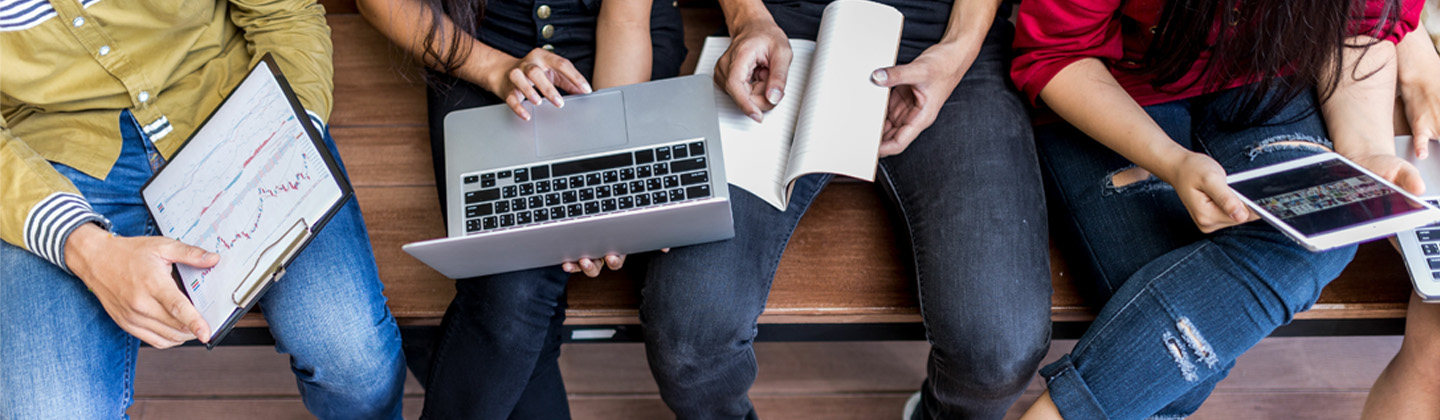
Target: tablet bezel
(1357,233)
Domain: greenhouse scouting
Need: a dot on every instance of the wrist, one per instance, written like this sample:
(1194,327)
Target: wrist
(954,56)
(490,73)
(82,243)
(740,14)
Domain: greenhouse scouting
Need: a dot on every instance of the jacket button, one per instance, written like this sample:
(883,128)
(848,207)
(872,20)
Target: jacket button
(548,47)
(144,96)
(104,50)
(78,22)
(547,31)
(543,12)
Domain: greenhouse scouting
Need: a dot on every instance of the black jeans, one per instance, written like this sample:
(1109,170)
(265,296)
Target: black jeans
(496,354)
(971,209)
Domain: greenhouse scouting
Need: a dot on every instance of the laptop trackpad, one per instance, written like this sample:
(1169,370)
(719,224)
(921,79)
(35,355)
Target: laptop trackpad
(590,122)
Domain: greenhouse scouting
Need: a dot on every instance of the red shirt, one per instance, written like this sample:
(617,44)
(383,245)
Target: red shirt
(1051,34)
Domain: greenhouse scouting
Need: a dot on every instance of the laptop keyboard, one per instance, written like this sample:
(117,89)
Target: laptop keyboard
(1429,237)
(546,193)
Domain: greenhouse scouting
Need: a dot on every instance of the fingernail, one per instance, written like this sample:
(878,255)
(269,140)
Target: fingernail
(587,88)
(585,263)
(774,96)
(757,117)
(879,76)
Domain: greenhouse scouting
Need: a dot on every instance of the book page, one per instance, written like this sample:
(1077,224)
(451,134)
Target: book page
(756,154)
(241,182)
(840,123)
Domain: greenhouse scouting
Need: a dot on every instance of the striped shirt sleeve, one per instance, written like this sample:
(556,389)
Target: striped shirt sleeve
(50,222)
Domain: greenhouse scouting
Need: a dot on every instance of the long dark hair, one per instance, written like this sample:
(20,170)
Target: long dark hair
(454,50)
(1287,46)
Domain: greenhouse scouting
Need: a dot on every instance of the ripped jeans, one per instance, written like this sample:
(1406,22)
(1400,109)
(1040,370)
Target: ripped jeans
(1180,305)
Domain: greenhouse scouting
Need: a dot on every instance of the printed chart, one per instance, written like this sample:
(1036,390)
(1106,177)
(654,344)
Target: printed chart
(247,176)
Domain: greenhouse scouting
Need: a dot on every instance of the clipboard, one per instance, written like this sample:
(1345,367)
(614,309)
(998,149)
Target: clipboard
(285,242)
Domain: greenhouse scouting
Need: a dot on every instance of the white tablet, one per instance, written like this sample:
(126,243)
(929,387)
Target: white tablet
(1327,201)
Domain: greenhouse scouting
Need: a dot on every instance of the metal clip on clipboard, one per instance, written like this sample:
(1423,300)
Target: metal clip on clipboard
(248,290)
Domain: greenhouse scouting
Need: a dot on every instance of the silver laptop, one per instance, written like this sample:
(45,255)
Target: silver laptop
(623,170)
(1420,247)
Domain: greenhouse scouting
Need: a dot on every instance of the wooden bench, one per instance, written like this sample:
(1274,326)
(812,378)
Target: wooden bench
(842,276)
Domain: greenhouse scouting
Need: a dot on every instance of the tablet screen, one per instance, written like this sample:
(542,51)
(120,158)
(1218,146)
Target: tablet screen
(1325,196)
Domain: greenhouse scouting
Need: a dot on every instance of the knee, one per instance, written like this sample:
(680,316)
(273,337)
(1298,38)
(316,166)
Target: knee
(52,395)
(688,340)
(351,374)
(998,361)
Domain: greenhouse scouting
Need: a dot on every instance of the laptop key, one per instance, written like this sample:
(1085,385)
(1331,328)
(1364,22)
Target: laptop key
(698,191)
(643,171)
(672,181)
(637,186)
(697,148)
(644,156)
(661,168)
(659,197)
(487,183)
(577,181)
(1430,249)
(652,184)
(598,163)
(627,174)
(602,191)
(472,211)
(694,178)
(626,202)
(608,205)
(504,174)
(559,184)
(610,176)
(592,180)
(687,165)
(662,153)
(541,215)
(527,189)
(677,195)
(679,151)
(489,176)
(1428,235)
(502,207)
(621,188)
(540,172)
(587,194)
(542,187)
(491,222)
(522,218)
(592,207)
(472,179)
(473,197)
(522,175)
(557,212)
(509,192)
(518,204)
(642,200)
(570,197)
(575,210)
(507,220)
(552,199)
(536,202)
(472,225)
(1435,274)
(1434,263)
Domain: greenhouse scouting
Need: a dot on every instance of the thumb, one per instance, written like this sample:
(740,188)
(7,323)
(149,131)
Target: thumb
(1229,201)
(192,256)
(1409,179)
(895,76)
(1420,141)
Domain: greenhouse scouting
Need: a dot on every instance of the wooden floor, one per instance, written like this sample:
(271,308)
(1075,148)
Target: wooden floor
(1282,378)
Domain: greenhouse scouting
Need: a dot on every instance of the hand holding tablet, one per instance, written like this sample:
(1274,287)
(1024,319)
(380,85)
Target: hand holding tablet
(1326,201)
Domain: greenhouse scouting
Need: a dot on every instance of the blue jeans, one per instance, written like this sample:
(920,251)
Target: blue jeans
(970,207)
(1180,305)
(61,356)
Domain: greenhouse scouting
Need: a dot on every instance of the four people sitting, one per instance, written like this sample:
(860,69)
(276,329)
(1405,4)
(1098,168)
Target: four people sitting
(1122,117)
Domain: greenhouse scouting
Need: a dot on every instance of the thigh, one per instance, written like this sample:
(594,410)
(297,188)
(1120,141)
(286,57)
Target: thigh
(1108,230)
(970,197)
(723,285)
(61,356)
(1297,131)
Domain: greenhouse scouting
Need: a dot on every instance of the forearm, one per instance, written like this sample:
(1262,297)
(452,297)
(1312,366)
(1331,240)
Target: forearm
(1359,114)
(1417,64)
(1089,97)
(622,43)
(297,36)
(969,21)
(406,23)
(738,13)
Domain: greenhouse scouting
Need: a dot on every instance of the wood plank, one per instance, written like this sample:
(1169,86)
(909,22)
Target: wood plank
(375,84)
(239,409)
(226,372)
(386,156)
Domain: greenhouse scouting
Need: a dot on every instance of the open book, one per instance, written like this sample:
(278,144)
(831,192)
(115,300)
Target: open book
(831,117)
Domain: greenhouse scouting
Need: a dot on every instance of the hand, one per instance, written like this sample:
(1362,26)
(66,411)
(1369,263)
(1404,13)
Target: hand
(1422,110)
(1393,169)
(132,279)
(917,91)
(592,266)
(753,71)
(1213,205)
(537,74)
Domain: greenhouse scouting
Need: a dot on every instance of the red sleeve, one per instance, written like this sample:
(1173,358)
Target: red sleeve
(1374,17)
(1051,34)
